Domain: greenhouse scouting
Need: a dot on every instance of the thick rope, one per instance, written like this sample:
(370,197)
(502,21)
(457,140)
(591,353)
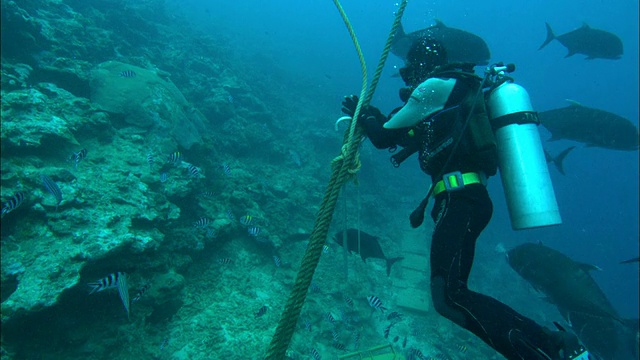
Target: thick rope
(385,53)
(343,168)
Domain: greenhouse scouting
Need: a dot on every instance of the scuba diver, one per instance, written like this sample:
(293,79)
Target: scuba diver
(445,120)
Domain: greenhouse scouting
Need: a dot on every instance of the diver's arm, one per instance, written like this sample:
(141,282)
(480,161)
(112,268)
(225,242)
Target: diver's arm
(380,137)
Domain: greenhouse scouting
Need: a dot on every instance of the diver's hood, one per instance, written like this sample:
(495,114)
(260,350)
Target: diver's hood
(428,98)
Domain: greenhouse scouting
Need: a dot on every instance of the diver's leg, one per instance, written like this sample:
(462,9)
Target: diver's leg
(460,217)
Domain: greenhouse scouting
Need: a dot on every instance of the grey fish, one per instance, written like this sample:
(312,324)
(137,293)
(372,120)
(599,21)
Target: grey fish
(369,246)
(462,46)
(569,286)
(261,311)
(565,282)
(596,44)
(591,126)
(53,188)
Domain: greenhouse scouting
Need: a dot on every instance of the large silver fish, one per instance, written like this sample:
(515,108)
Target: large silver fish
(462,46)
(588,41)
(591,126)
(569,285)
(367,245)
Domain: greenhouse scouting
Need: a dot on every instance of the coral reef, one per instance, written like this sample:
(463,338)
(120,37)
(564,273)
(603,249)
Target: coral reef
(144,99)
(80,76)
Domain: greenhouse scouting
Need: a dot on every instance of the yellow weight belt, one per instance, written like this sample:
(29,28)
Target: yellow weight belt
(456,180)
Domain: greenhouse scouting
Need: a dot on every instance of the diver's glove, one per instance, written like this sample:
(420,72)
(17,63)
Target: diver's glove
(372,121)
(370,117)
(349,105)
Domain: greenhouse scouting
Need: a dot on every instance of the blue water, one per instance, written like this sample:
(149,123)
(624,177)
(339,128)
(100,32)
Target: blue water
(267,154)
(598,197)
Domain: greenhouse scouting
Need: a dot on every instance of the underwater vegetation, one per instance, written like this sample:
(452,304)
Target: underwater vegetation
(131,151)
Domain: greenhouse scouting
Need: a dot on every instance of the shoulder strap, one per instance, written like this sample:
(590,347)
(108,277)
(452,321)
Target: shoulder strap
(461,71)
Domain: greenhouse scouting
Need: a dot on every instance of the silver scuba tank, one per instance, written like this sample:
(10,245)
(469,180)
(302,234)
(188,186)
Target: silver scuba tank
(523,167)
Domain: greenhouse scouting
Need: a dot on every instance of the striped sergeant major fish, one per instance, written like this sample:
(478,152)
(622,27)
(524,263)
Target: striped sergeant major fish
(150,160)
(254,231)
(348,300)
(330,318)
(108,282)
(315,354)
(202,223)
(376,303)
(175,157)
(128,74)
(77,157)
(226,169)
(335,335)
(13,203)
(116,280)
(141,292)
(193,170)
(395,317)
(387,330)
(246,220)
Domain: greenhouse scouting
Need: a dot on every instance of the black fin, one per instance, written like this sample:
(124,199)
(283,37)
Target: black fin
(560,158)
(391,262)
(636,259)
(400,31)
(557,161)
(550,36)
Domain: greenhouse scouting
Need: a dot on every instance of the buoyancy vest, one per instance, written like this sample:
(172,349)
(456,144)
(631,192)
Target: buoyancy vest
(453,139)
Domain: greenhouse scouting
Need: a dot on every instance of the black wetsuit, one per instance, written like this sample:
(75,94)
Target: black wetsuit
(460,216)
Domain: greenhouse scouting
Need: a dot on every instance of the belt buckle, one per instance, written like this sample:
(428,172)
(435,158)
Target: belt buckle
(447,182)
